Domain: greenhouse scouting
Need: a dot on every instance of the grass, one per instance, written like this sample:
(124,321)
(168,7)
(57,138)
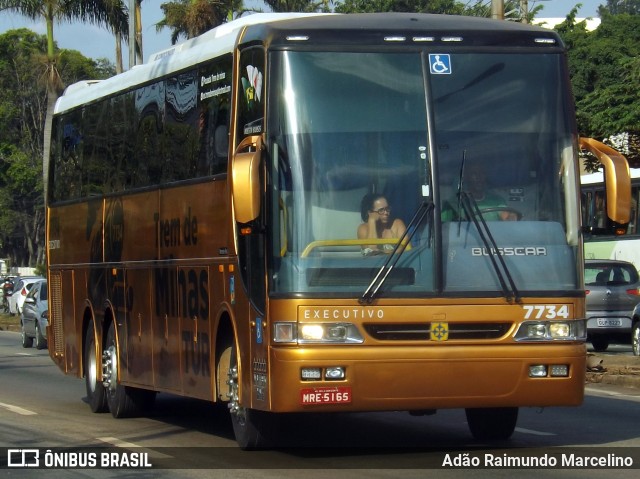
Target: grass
(8,322)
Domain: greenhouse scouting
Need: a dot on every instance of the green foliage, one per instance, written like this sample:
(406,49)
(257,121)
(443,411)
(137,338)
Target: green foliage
(40,270)
(23,104)
(418,6)
(605,75)
(617,7)
(190,18)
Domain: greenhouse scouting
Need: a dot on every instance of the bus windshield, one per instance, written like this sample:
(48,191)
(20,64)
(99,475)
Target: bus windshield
(482,136)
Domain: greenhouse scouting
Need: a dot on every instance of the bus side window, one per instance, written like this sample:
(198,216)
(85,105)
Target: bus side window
(213,124)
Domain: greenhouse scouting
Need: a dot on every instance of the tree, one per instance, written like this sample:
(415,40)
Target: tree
(103,12)
(190,18)
(308,6)
(605,75)
(476,8)
(617,7)
(23,107)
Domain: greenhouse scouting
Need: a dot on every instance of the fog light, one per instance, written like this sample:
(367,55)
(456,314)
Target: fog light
(311,374)
(538,371)
(334,373)
(560,370)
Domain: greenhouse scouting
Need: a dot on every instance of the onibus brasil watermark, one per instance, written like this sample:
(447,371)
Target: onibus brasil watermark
(51,459)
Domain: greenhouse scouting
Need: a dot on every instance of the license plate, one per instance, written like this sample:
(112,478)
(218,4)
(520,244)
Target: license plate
(337,395)
(609,323)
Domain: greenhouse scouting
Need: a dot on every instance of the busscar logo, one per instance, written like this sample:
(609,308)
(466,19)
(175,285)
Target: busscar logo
(511,251)
(23,458)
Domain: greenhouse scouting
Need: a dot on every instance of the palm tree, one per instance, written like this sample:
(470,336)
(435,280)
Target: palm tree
(190,18)
(110,13)
(298,5)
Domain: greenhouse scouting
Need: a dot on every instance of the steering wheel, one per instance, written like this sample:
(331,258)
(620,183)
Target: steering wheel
(506,209)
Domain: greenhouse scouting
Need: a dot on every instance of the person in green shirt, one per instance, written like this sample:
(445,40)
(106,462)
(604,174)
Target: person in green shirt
(475,183)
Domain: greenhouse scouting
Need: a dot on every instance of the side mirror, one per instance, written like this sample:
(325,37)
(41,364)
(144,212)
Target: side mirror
(246,179)
(617,180)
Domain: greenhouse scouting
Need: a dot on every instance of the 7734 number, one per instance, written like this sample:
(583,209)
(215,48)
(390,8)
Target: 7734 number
(546,311)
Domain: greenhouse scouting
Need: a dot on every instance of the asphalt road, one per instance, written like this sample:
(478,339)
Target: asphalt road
(42,409)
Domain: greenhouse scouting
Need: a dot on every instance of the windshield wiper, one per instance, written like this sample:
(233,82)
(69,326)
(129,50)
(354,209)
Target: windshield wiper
(472,210)
(468,203)
(383,273)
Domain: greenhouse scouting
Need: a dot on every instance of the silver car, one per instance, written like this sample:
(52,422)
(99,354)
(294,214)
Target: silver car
(635,330)
(612,289)
(35,316)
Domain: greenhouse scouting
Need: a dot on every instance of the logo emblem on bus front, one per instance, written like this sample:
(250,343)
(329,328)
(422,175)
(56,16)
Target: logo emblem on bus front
(439,331)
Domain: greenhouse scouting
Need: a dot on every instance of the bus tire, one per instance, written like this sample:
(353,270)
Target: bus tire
(252,429)
(96,396)
(492,423)
(123,401)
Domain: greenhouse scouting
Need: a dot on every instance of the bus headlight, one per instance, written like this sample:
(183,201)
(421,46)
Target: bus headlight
(573,330)
(331,333)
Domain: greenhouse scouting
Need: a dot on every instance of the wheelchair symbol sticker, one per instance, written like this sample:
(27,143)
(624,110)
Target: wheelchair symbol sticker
(440,63)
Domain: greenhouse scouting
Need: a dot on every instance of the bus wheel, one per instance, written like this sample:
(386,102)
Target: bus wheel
(123,401)
(96,396)
(492,423)
(252,429)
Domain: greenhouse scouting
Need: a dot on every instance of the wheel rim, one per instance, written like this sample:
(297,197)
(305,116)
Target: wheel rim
(234,402)
(635,339)
(110,368)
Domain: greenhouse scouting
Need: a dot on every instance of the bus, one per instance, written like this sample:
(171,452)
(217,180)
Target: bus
(608,244)
(202,211)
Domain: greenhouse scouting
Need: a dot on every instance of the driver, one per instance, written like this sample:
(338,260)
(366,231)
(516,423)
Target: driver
(475,182)
(378,223)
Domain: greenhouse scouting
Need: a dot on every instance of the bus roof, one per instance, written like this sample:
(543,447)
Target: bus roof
(215,42)
(326,28)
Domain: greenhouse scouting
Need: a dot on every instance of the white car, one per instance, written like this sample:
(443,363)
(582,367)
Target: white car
(21,289)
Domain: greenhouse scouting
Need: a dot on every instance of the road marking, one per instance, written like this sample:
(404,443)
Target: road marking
(614,394)
(18,410)
(535,433)
(114,441)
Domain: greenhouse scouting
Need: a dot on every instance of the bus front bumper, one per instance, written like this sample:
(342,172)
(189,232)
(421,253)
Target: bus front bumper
(419,378)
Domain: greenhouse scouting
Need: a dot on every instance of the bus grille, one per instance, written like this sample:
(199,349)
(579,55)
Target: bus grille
(422,331)
(55,312)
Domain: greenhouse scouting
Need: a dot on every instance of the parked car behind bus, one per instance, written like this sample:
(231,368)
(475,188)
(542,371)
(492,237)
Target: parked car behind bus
(21,289)
(612,294)
(35,316)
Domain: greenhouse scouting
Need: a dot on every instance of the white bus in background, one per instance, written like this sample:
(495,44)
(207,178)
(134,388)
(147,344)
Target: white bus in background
(609,245)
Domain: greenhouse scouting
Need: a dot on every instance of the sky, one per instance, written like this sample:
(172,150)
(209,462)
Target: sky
(95,42)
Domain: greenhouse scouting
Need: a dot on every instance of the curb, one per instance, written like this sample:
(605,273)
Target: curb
(629,378)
